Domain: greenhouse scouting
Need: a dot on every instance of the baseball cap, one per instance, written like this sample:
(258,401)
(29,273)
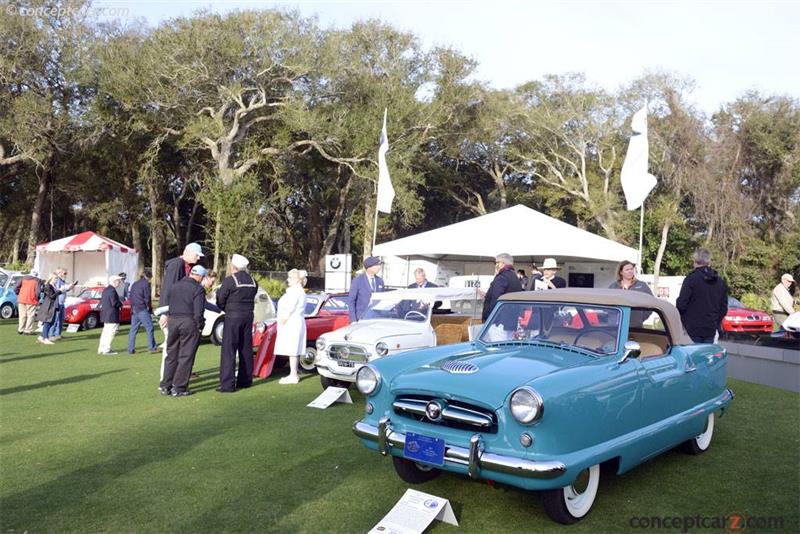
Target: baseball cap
(199,270)
(787,277)
(195,249)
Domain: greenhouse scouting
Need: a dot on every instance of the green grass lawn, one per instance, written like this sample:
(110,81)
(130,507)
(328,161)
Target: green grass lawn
(88,445)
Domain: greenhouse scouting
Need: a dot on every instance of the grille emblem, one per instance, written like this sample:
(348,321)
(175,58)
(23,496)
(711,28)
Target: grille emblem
(433,411)
(457,367)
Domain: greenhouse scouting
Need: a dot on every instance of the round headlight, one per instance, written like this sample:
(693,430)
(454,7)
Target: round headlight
(382,349)
(526,405)
(320,344)
(261,327)
(367,380)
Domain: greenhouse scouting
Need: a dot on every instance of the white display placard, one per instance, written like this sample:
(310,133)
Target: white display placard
(329,396)
(414,512)
(72,328)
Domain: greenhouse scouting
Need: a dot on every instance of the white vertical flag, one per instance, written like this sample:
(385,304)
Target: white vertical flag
(636,181)
(385,189)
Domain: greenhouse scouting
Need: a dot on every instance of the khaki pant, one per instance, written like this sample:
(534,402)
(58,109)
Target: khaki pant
(27,317)
(164,350)
(107,336)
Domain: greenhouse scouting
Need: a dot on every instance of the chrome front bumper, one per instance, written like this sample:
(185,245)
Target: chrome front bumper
(474,458)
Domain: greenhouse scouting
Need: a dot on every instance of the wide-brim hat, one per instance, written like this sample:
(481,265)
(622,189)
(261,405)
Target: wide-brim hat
(550,263)
(372,261)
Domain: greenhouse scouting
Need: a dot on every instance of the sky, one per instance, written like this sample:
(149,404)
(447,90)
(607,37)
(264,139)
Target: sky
(726,47)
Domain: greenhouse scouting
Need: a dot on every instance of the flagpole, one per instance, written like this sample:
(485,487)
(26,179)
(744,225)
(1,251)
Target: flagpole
(375,226)
(641,231)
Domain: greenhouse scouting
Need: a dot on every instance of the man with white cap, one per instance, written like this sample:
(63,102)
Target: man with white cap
(110,304)
(186,306)
(236,297)
(782,303)
(174,270)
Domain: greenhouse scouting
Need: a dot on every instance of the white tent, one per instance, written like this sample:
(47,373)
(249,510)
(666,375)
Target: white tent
(88,257)
(520,231)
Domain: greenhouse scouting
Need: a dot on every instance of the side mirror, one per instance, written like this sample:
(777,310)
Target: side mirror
(632,349)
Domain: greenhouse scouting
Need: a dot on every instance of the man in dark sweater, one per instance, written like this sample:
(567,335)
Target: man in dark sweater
(110,304)
(236,296)
(505,281)
(141,313)
(703,300)
(174,270)
(185,303)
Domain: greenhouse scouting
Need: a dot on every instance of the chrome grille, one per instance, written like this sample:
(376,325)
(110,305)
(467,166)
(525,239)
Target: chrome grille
(348,352)
(454,414)
(458,367)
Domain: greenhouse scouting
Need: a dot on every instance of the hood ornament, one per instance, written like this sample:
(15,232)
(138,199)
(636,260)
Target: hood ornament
(457,367)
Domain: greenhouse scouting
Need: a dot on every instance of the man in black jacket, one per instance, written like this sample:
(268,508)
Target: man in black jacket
(186,300)
(174,270)
(703,300)
(141,313)
(505,281)
(110,304)
(236,296)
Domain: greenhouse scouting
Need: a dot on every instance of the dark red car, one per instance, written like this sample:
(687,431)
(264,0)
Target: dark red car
(741,319)
(324,313)
(86,312)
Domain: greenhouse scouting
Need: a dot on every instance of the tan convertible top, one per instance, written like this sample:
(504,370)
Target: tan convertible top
(610,297)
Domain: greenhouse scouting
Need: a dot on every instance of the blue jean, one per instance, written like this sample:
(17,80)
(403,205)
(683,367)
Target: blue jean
(58,322)
(144,319)
(46,329)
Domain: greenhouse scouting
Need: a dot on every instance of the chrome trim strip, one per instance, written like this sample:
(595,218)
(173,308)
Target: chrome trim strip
(456,414)
(386,437)
(410,406)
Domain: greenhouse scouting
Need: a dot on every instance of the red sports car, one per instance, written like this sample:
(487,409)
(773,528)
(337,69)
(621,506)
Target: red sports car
(324,313)
(85,311)
(740,319)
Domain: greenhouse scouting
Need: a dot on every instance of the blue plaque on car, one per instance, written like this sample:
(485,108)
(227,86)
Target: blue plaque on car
(424,449)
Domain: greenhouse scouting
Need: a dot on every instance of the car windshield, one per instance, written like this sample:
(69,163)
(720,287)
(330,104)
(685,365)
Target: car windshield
(264,308)
(91,293)
(588,327)
(3,280)
(734,303)
(407,310)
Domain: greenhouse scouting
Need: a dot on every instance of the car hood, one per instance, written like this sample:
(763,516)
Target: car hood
(745,312)
(499,372)
(372,331)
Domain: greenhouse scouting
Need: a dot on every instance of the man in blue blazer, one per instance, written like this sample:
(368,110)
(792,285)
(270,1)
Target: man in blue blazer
(421,280)
(363,286)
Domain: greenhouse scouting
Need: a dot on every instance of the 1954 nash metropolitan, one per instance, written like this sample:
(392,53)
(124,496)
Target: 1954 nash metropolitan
(557,384)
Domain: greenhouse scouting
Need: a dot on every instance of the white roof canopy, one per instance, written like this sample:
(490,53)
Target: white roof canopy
(520,231)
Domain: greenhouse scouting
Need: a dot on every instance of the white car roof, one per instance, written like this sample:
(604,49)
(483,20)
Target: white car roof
(429,294)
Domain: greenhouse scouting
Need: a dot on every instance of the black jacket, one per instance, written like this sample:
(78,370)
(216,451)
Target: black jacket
(47,308)
(505,281)
(703,302)
(187,298)
(174,270)
(237,294)
(110,305)
(428,283)
(140,296)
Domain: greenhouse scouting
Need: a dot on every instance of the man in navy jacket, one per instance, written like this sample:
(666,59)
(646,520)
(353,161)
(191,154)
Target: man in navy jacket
(363,286)
(420,280)
(110,304)
(703,300)
(505,281)
(141,313)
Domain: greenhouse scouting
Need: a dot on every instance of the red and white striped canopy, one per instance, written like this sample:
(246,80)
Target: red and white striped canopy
(85,241)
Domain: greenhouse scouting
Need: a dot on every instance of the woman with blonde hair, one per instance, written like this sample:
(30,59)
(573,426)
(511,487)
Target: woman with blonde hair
(291,338)
(49,306)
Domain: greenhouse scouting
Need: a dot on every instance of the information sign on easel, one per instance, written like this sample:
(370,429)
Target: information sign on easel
(330,396)
(414,512)
(72,328)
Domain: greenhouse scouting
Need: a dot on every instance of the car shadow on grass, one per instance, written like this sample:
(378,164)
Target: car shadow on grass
(60,382)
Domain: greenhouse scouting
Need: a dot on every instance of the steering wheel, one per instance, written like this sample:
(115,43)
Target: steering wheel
(601,342)
(415,313)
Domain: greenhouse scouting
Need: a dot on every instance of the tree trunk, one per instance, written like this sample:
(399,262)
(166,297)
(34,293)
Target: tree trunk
(369,224)
(155,240)
(176,221)
(16,244)
(136,238)
(36,216)
(333,228)
(217,236)
(500,185)
(314,239)
(661,247)
(190,223)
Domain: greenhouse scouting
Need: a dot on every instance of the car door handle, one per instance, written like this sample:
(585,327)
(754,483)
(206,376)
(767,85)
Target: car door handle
(688,369)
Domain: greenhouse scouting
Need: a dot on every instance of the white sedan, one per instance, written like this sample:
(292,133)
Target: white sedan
(395,322)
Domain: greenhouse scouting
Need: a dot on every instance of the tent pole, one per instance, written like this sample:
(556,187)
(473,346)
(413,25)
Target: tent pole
(641,232)
(375,226)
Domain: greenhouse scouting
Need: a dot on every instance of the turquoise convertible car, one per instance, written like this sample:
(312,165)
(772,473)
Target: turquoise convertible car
(557,384)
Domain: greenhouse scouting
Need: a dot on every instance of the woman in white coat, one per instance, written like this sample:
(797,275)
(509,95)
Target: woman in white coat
(291,338)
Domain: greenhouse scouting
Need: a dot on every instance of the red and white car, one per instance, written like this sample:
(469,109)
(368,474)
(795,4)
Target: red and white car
(324,312)
(741,319)
(84,309)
